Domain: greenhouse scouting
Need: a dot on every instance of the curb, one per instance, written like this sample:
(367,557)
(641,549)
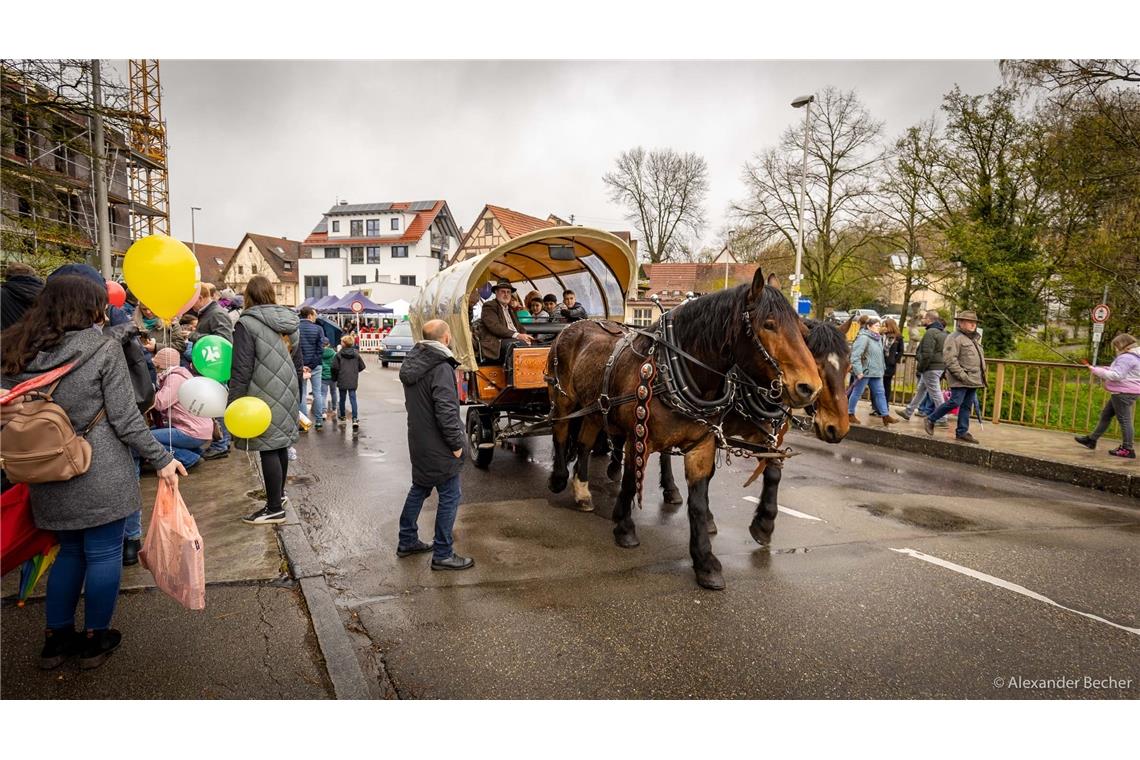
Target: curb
(341,663)
(1018,464)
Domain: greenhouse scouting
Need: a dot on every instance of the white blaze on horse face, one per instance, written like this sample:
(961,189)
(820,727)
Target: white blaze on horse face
(833,360)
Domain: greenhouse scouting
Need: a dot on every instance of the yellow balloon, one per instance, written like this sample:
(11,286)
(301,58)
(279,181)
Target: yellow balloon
(248,417)
(162,272)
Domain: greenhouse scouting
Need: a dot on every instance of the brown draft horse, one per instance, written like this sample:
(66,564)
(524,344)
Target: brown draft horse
(714,331)
(830,424)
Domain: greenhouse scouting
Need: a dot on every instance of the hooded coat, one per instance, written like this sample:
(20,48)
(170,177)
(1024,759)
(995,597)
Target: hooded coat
(1123,375)
(867,354)
(928,355)
(108,491)
(267,365)
(432,401)
(346,368)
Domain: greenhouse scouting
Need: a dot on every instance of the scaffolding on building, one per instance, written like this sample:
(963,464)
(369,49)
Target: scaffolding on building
(150,188)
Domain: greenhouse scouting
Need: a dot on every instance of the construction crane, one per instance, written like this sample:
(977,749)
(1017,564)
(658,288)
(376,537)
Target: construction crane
(150,191)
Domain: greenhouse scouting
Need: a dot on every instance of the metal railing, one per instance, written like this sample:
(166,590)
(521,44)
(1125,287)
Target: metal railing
(1048,395)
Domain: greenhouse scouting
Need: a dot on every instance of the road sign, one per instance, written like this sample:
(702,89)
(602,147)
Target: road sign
(1097,331)
(357,307)
(1101,313)
(803,306)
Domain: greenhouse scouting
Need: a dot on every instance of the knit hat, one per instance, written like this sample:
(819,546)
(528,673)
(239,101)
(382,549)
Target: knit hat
(80,270)
(165,359)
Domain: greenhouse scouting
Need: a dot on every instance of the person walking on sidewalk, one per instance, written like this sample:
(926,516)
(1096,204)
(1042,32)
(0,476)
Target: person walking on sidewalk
(311,352)
(87,512)
(213,320)
(436,441)
(267,365)
(346,368)
(892,354)
(328,353)
(929,364)
(1122,380)
(868,365)
(966,367)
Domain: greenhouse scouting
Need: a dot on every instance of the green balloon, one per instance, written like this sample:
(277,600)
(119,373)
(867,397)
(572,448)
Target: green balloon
(213,357)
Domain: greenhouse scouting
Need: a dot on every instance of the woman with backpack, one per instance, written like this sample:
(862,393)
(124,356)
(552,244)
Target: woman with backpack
(87,511)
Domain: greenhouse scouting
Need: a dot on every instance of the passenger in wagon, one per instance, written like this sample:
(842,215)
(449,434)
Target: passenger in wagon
(501,330)
(534,307)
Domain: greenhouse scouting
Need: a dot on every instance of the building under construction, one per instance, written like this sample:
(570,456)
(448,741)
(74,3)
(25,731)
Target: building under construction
(48,162)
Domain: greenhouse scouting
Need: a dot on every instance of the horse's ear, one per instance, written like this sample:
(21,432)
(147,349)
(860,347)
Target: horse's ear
(757,289)
(843,328)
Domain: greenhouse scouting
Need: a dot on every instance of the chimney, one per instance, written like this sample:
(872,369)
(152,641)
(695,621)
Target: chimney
(343,203)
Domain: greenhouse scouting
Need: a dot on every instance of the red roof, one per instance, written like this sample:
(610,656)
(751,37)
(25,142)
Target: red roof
(207,260)
(516,223)
(667,278)
(412,234)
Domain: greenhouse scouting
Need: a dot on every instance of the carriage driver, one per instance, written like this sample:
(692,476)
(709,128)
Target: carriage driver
(501,328)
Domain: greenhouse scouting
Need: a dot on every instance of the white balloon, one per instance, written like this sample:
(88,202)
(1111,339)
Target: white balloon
(203,397)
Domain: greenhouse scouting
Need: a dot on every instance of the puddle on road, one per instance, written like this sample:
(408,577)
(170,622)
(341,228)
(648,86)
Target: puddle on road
(930,518)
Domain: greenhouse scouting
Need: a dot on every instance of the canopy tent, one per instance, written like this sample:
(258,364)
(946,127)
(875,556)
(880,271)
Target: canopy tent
(331,331)
(602,271)
(323,303)
(399,307)
(344,305)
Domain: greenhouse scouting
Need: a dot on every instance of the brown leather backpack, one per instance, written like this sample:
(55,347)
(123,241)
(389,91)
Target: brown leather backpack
(38,443)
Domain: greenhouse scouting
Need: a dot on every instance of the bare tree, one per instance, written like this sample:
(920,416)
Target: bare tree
(839,222)
(663,192)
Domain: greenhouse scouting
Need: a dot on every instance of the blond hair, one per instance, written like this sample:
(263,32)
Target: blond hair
(348,340)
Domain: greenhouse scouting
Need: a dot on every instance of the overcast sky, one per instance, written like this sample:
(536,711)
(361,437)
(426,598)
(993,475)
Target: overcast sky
(268,146)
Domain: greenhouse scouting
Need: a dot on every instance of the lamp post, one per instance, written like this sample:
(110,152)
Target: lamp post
(193,233)
(728,250)
(802,102)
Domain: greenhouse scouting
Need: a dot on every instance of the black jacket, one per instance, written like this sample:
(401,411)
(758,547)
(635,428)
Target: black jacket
(434,428)
(928,355)
(18,293)
(892,355)
(140,369)
(346,368)
(213,320)
(572,313)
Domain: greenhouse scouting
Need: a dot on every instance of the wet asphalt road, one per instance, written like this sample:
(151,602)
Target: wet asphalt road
(554,609)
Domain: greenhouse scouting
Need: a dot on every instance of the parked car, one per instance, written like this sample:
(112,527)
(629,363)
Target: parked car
(839,316)
(869,312)
(896,317)
(396,344)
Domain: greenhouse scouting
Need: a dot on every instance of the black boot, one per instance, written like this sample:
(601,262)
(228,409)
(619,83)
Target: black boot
(59,644)
(98,646)
(1087,441)
(131,551)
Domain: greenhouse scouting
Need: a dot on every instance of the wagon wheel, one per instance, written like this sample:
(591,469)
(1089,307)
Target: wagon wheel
(480,431)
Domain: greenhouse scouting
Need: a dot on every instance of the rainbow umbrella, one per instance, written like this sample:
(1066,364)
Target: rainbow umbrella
(32,570)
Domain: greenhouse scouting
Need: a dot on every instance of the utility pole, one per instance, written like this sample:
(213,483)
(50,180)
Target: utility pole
(799,102)
(193,232)
(102,218)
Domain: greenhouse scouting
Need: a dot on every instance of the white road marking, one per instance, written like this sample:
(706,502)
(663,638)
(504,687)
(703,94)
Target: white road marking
(785,510)
(1009,587)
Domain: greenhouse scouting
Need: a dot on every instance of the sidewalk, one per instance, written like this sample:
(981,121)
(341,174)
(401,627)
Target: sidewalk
(1045,454)
(255,638)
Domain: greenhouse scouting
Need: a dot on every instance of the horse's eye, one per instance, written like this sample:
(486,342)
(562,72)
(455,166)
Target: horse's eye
(770,324)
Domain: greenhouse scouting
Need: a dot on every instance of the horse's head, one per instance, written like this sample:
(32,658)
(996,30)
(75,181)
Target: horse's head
(775,346)
(833,360)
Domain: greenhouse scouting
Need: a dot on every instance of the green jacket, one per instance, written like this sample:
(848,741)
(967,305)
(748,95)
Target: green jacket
(928,355)
(326,363)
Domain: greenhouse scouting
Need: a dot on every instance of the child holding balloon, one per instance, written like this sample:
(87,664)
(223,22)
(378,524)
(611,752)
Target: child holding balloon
(183,434)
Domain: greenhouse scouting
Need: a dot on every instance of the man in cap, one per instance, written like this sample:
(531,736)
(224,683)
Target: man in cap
(966,369)
(501,329)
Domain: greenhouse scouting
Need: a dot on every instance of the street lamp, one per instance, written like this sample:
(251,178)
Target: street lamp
(801,102)
(728,250)
(193,235)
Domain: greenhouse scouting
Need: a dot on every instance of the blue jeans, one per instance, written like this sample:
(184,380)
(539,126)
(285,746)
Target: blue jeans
(133,527)
(185,448)
(223,444)
(963,398)
(445,513)
(91,558)
(352,396)
(928,388)
(878,395)
(314,382)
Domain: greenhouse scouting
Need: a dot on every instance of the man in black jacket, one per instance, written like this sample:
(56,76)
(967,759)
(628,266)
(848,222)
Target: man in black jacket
(435,443)
(928,364)
(570,310)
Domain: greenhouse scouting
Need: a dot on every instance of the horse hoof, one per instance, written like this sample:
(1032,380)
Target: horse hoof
(712,526)
(558,483)
(584,506)
(626,540)
(712,580)
(759,534)
(673,496)
(613,472)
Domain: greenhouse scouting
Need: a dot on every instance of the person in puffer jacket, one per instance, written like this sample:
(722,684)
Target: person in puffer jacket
(1122,380)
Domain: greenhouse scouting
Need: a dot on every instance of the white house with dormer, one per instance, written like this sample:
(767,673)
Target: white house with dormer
(385,250)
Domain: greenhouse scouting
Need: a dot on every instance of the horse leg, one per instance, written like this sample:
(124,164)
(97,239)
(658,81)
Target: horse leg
(624,531)
(601,444)
(581,481)
(764,520)
(668,484)
(561,436)
(699,468)
(614,469)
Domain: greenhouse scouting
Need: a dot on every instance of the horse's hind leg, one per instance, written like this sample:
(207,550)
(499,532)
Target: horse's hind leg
(624,531)
(581,481)
(669,488)
(699,468)
(561,437)
(617,451)
(764,520)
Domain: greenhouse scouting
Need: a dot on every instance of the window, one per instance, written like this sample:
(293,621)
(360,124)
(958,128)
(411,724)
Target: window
(356,228)
(643,317)
(373,254)
(407,279)
(288,266)
(399,251)
(241,269)
(251,249)
(357,279)
(316,287)
(488,226)
(373,227)
(396,223)
(357,254)
(253,268)
(336,225)
(332,253)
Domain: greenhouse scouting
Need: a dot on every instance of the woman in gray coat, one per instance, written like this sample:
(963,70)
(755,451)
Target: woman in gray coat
(267,364)
(88,512)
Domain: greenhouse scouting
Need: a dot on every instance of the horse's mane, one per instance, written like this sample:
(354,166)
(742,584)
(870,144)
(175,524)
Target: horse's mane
(824,338)
(707,324)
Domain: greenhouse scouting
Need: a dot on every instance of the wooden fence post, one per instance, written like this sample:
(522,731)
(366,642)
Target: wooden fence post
(999,382)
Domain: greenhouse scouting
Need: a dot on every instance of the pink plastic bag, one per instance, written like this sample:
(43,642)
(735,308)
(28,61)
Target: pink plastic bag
(173,550)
